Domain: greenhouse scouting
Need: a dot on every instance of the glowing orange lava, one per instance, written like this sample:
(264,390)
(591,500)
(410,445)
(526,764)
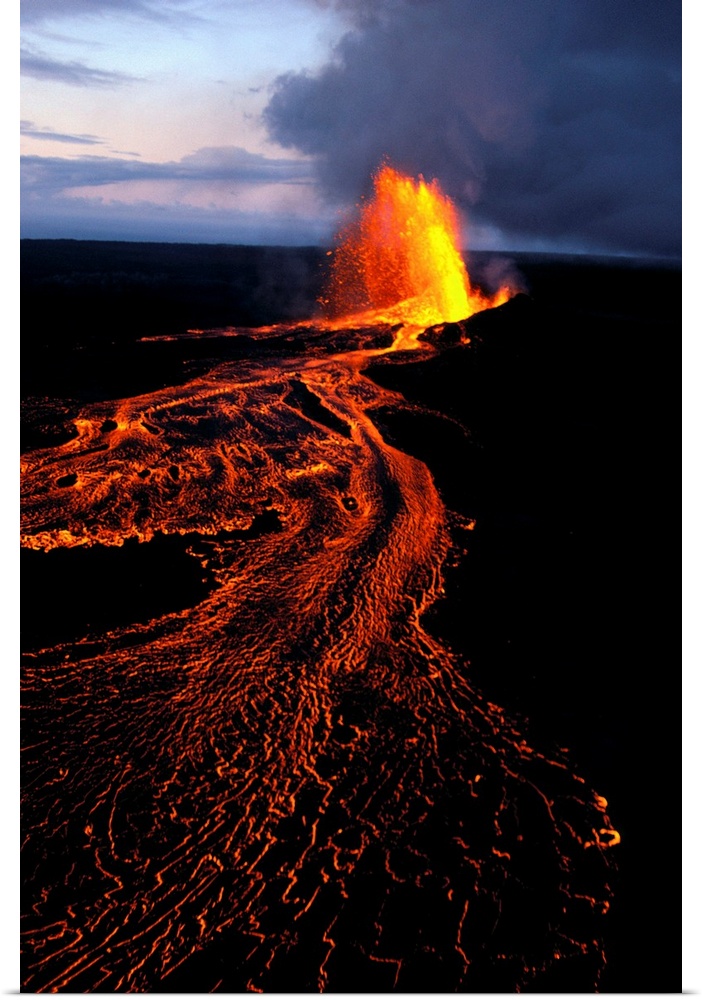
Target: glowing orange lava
(400,261)
(289,783)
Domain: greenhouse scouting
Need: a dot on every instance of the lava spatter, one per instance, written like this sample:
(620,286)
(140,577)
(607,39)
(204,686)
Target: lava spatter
(400,261)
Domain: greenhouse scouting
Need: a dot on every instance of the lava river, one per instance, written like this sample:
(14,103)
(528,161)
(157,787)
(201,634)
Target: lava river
(290,786)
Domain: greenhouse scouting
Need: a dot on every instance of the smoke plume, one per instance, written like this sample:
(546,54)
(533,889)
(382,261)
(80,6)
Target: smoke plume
(554,120)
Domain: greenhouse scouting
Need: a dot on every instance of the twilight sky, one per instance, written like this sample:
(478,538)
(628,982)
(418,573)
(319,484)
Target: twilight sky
(555,124)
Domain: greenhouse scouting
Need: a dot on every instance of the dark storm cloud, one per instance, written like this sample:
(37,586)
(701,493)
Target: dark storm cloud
(74,73)
(551,119)
(34,132)
(50,175)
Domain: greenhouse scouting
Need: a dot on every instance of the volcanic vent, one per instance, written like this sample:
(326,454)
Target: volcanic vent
(400,261)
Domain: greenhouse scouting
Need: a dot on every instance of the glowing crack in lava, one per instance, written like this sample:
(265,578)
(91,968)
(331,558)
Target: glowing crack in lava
(291,785)
(400,261)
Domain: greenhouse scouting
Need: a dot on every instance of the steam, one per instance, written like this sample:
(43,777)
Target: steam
(547,120)
(495,272)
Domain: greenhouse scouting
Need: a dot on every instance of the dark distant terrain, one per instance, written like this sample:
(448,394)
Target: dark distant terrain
(550,428)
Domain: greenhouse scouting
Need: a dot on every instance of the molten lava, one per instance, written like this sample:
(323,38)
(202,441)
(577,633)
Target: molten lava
(400,262)
(290,784)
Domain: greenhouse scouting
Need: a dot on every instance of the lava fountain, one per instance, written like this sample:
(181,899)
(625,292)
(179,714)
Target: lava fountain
(400,261)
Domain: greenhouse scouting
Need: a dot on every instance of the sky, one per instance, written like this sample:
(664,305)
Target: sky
(553,124)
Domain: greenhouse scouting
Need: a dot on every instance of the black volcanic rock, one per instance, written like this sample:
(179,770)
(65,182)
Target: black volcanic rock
(89,589)
(516,311)
(46,423)
(444,334)
(511,316)
(306,402)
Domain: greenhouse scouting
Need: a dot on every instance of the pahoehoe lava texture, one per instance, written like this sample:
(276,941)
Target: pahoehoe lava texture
(281,778)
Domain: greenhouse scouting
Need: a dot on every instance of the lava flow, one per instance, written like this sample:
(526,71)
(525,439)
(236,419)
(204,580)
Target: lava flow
(291,785)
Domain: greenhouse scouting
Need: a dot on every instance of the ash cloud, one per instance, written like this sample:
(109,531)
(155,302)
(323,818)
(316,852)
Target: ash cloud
(553,120)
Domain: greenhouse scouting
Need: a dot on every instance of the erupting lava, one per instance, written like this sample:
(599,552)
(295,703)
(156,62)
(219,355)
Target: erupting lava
(400,261)
(290,785)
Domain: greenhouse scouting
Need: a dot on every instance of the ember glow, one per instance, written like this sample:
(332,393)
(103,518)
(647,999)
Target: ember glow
(400,261)
(292,784)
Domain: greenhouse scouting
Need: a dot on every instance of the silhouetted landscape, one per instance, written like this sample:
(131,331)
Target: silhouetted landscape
(544,426)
